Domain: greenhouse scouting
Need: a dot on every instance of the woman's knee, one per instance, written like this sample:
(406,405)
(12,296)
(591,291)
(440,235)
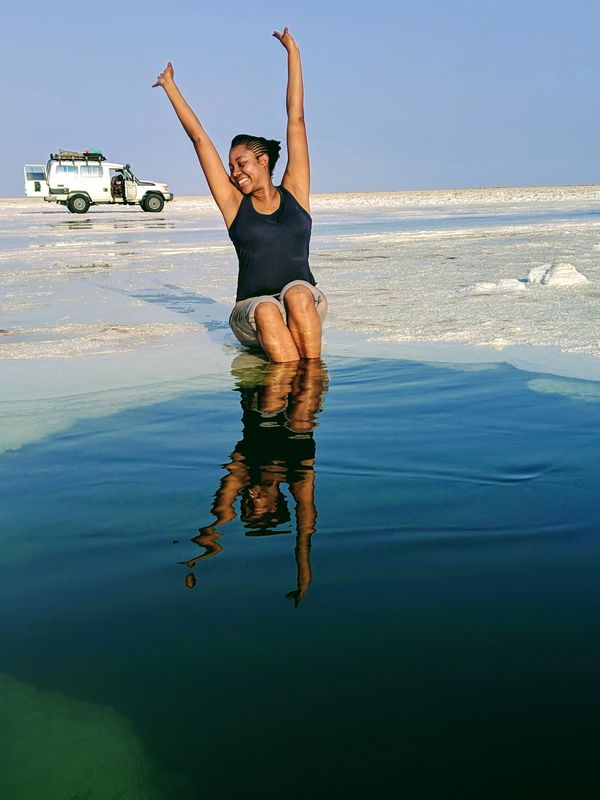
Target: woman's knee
(267,314)
(298,299)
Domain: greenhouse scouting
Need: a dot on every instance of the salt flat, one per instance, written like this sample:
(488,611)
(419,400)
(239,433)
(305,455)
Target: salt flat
(104,304)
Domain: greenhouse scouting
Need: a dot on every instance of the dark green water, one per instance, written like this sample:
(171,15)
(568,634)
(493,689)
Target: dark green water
(448,644)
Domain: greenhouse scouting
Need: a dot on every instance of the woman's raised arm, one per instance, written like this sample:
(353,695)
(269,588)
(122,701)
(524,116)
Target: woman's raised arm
(296,177)
(226,196)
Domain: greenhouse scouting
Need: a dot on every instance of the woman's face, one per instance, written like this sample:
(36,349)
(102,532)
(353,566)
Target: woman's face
(247,171)
(261,500)
(263,504)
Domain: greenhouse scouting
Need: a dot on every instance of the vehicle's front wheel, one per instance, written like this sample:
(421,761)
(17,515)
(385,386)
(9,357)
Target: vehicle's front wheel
(154,202)
(78,204)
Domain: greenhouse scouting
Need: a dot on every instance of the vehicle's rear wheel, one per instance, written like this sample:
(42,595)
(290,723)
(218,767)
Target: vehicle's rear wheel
(154,202)
(78,204)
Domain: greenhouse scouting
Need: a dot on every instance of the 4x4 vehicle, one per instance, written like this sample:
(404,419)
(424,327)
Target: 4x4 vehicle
(79,180)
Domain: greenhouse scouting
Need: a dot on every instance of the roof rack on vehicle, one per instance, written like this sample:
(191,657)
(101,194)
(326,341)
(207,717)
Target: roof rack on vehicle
(76,155)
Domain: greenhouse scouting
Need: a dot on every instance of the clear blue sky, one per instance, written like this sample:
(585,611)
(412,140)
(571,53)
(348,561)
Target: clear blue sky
(399,95)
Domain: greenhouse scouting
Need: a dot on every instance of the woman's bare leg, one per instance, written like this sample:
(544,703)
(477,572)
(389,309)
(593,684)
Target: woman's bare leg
(274,336)
(303,321)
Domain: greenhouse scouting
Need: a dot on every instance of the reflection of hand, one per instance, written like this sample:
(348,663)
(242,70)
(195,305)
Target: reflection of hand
(165,76)
(298,593)
(286,39)
(190,580)
(294,596)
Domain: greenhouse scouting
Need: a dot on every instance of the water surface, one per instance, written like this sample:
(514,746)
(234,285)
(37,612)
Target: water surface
(433,632)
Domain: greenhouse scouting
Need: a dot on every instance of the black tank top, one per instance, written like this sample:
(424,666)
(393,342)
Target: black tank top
(272,249)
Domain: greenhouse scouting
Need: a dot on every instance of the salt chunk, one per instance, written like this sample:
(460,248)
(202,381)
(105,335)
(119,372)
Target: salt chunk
(506,286)
(536,275)
(562,273)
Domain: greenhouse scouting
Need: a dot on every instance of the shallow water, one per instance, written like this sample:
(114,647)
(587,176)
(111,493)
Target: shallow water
(446,645)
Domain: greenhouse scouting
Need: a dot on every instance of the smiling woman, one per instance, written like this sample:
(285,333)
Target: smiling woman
(278,305)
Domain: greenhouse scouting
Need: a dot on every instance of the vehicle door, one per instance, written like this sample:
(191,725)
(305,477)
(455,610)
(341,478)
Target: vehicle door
(36,184)
(130,186)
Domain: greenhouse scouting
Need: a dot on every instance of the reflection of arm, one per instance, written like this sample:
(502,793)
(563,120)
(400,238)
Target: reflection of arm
(303,492)
(222,507)
(304,575)
(231,484)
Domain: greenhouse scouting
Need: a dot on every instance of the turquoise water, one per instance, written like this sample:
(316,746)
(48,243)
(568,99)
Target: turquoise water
(437,635)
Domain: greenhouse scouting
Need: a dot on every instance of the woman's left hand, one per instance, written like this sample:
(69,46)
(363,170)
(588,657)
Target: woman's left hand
(165,77)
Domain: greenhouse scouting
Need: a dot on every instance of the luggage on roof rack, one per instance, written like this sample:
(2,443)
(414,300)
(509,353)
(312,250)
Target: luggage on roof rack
(76,155)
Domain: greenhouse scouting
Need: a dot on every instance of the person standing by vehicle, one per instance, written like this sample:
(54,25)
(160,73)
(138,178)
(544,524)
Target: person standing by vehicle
(278,305)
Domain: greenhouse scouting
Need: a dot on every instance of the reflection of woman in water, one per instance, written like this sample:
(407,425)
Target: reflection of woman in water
(278,306)
(277,447)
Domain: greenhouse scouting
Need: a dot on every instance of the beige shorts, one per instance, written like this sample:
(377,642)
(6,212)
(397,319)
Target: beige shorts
(241,320)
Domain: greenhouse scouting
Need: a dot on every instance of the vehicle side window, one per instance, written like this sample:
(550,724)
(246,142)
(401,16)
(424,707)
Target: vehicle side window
(91,170)
(66,169)
(35,174)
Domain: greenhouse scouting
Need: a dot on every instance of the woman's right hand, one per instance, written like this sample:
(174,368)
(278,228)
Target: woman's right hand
(165,76)
(286,39)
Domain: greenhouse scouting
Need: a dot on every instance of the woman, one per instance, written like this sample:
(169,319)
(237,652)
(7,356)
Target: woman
(278,306)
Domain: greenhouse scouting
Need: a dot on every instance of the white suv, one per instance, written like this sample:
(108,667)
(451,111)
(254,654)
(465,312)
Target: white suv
(79,180)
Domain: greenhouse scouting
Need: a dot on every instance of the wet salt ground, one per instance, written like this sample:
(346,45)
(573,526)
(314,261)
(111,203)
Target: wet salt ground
(448,645)
(397,267)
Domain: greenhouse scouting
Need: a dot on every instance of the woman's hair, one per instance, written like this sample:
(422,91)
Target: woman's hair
(260,147)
